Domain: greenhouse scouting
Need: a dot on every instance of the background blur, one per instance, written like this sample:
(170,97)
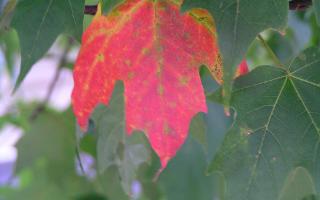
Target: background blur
(39,157)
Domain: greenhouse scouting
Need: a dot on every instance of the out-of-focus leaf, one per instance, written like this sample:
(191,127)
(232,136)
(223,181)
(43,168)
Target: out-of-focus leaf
(185,178)
(114,147)
(198,130)
(298,185)
(39,188)
(276,129)
(92,197)
(6,11)
(47,150)
(88,144)
(10,46)
(39,23)
(238,23)
(109,184)
(316,7)
(50,137)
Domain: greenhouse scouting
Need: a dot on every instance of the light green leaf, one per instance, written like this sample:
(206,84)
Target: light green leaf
(276,129)
(298,185)
(10,46)
(39,22)
(47,152)
(114,147)
(238,22)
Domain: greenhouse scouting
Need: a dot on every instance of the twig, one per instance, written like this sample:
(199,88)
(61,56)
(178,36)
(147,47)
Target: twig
(41,107)
(79,160)
(90,9)
(270,51)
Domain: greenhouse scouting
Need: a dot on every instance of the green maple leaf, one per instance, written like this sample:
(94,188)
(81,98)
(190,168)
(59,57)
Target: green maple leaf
(276,129)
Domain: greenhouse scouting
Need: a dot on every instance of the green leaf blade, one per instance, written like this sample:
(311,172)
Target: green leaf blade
(316,7)
(114,147)
(238,22)
(276,129)
(38,24)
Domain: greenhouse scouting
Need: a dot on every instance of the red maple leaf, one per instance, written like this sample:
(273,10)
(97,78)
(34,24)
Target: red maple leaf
(156,51)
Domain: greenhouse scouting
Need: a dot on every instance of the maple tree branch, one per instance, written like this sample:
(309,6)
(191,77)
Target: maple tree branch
(298,5)
(63,60)
(275,59)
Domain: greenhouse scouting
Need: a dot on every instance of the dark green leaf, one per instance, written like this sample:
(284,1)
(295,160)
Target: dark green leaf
(276,129)
(47,151)
(10,46)
(39,22)
(316,7)
(114,147)
(238,22)
(93,196)
(185,178)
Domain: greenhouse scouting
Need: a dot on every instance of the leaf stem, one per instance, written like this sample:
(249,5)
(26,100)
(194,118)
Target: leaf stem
(275,59)
(41,107)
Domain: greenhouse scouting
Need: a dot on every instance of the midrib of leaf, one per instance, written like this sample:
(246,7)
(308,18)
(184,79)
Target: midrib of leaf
(236,18)
(259,153)
(35,43)
(276,5)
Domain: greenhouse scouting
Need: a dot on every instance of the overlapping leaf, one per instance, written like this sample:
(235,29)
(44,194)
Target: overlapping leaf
(38,24)
(238,22)
(276,129)
(113,147)
(156,51)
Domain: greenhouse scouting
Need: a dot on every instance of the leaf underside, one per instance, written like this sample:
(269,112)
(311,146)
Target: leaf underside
(113,147)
